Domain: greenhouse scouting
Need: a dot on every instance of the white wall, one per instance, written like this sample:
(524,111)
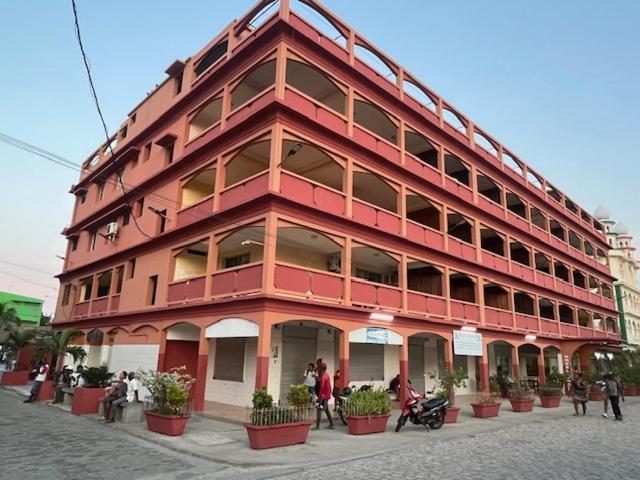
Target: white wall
(134,357)
(275,364)
(233,393)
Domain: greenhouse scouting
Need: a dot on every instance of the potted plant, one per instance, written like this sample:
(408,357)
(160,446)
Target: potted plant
(502,383)
(58,345)
(521,397)
(367,411)
(446,385)
(272,425)
(86,399)
(486,406)
(551,392)
(169,407)
(16,340)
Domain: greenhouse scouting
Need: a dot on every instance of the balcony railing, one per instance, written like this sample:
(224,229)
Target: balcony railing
(375,294)
(426,304)
(376,217)
(308,282)
(465,311)
(499,317)
(239,280)
(308,192)
(186,290)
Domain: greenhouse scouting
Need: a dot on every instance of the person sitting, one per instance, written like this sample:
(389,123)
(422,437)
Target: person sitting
(113,392)
(133,386)
(77,380)
(64,380)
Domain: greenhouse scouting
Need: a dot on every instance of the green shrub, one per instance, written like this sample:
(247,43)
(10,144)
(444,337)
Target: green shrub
(447,383)
(547,390)
(169,390)
(177,399)
(368,402)
(299,396)
(520,391)
(261,399)
(556,379)
(97,377)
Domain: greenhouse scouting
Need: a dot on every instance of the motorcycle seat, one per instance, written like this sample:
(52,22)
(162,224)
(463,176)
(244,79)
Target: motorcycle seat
(433,403)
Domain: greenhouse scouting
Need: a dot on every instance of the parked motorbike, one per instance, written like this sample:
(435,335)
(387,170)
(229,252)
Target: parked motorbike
(430,413)
(343,399)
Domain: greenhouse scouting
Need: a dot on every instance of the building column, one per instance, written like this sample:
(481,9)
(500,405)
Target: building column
(404,370)
(484,370)
(201,371)
(344,359)
(542,377)
(448,354)
(515,363)
(162,350)
(263,355)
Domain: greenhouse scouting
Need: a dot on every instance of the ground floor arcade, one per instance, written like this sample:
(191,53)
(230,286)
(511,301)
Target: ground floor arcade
(232,355)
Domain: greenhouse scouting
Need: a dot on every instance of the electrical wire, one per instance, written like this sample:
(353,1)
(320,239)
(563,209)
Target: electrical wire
(85,59)
(6,262)
(27,280)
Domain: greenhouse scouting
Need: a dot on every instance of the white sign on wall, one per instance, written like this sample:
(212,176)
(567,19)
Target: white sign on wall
(467,343)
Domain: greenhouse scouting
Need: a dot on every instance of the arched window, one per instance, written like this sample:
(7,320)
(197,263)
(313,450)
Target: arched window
(249,161)
(516,205)
(496,296)
(547,309)
(316,84)
(206,117)
(561,271)
(488,188)
(462,287)
(191,261)
(420,147)
(253,83)
(491,241)
(454,120)
(579,279)
(376,120)
(308,248)
(459,227)
(375,61)
(104,284)
(524,303)
(373,265)
(566,313)
(373,189)
(313,163)
(557,230)
(574,240)
(538,218)
(421,211)
(543,263)
(244,245)
(511,162)
(584,318)
(456,168)
(199,186)
(519,253)
(554,193)
(423,277)
(212,56)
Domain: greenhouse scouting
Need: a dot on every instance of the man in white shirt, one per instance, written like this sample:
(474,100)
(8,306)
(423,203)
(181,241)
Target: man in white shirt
(133,385)
(42,370)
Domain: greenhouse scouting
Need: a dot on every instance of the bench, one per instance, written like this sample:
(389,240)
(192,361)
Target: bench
(129,412)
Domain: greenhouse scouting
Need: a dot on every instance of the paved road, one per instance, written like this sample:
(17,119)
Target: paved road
(43,443)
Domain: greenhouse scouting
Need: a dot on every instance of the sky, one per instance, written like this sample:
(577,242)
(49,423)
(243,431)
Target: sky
(556,82)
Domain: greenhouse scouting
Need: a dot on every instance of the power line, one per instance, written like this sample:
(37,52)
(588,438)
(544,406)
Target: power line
(85,59)
(26,267)
(27,280)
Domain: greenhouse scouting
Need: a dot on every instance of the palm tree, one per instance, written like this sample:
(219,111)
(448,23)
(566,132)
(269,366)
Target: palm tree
(8,317)
(58,344)
(17,339)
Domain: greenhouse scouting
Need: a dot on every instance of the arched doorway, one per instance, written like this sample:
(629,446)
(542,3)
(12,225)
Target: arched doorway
(531,367)
(502,359)
(182,349)
(427,360)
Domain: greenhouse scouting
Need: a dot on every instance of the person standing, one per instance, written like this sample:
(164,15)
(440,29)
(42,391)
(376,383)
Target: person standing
(324,395)
(614,391)
(42,370)
(310,380)
(579,389)
(602,384)
(337,389)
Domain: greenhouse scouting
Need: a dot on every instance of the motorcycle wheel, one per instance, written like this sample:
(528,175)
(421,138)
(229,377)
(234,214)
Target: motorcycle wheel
(437,421)
(401,421)
(342,417)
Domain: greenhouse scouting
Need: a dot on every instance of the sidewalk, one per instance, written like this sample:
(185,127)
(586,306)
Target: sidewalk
(227,443)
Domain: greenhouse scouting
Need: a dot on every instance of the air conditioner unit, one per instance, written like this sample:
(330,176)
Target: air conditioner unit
(112,230)
(334,264)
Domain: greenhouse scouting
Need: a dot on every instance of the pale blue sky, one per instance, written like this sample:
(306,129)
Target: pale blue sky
(554,81)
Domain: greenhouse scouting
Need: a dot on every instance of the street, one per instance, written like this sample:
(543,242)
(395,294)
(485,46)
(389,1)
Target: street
(41,442)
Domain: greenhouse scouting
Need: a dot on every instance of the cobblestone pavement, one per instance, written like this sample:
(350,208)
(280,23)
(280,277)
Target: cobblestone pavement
(45,443)
(571,448)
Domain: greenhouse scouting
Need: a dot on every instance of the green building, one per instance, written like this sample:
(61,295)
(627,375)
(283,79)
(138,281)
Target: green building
(28,309)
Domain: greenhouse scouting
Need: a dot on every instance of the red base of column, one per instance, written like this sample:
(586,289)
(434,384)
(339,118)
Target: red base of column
(262,372)
(404,377)
(484,377)
(516,371)
(201,383)
(344,372)
(542,377)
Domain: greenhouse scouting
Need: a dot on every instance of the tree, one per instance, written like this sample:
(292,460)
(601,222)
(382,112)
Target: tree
(58,344)
(17,339)
(8,317)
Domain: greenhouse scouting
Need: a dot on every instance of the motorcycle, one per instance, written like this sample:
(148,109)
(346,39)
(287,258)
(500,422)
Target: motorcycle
(431,415)
(344,396)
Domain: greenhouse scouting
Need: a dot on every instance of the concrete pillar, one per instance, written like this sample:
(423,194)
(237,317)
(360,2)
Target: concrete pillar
(542,377)
(515,363)
(484,370)
(344,359)
(404,369)
(201,371)
(162,350)
(262,356)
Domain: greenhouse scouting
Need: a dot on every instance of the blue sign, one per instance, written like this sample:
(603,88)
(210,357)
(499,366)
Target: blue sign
(377,335)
